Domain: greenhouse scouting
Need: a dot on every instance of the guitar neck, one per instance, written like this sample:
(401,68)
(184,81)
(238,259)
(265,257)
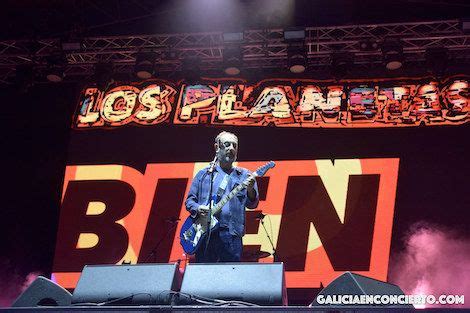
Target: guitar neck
(259,172)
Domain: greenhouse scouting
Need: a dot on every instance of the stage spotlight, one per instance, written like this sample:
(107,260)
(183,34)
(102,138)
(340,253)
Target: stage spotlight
(294,34)
(71,45)
(24,77)
(437,60)
(55,74)
(465,25)
(233,37)
(233,60)
(392,52)
(191,69)
(103,76)
(297,59)
(55,68)
(145,65)
(368,45)
(296,53)
(341,63)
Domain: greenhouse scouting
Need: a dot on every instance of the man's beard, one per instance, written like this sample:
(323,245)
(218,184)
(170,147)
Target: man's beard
(229,158)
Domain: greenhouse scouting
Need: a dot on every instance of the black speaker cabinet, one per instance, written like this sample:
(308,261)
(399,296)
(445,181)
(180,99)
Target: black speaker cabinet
(43,292)
(259,283)
(354,284)
(142,284)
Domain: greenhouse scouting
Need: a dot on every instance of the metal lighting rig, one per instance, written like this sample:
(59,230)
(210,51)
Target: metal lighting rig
(262,48)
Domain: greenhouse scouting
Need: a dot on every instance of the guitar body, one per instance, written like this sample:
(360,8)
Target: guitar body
(193,231)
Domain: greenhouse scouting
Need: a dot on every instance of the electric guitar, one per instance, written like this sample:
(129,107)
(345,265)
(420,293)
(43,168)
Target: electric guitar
(194,230)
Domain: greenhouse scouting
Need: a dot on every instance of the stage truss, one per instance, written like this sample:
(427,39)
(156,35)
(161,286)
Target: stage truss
(263,48)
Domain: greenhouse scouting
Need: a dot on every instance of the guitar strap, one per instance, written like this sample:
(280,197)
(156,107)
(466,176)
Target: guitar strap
(223,185)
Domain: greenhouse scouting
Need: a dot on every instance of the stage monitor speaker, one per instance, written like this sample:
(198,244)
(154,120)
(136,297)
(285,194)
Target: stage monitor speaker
(45,292)
(141,284)
(354,284)
(258,283)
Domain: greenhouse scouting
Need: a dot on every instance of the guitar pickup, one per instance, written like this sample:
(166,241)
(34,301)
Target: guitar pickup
(187,234)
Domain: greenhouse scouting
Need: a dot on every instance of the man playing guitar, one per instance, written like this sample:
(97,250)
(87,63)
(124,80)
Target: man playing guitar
(225,244)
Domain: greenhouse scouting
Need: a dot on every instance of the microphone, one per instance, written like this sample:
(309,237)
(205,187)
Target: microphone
(260,216)
(212,166)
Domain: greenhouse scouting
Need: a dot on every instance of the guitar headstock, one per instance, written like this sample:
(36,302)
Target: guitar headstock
(263,169)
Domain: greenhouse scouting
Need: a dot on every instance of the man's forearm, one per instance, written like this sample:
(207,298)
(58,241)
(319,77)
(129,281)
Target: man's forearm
(251,194)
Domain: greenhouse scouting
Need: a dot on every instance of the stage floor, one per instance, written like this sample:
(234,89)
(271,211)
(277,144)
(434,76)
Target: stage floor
(231,309)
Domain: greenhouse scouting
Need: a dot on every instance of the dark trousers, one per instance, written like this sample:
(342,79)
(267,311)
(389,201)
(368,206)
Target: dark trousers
(223,247)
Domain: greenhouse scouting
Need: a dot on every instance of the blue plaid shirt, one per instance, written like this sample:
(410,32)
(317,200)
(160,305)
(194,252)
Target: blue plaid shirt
(232,215)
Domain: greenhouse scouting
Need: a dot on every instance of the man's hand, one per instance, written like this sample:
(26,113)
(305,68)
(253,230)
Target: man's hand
(250,183)
(250,190)
(203,210)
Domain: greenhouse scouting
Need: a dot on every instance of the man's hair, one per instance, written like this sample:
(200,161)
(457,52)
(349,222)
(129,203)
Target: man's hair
(217,139)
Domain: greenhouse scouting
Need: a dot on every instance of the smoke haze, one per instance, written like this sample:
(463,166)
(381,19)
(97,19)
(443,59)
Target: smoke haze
(435,261)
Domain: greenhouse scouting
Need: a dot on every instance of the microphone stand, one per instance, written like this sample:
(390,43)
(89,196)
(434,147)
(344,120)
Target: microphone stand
(209,214)
(274,254)
(154,250)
